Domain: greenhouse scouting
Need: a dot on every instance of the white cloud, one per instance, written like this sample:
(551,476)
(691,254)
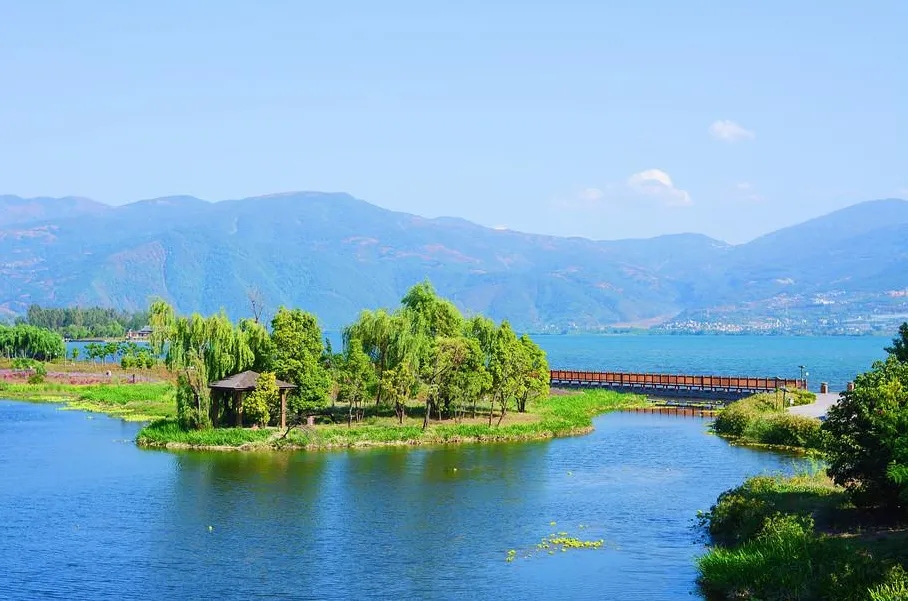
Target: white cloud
(655,183)
(729,131)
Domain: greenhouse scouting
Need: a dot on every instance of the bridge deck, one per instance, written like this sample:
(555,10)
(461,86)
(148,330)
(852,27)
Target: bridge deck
(674,385)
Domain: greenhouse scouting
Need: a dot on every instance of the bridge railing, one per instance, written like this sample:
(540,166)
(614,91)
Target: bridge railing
(655,380)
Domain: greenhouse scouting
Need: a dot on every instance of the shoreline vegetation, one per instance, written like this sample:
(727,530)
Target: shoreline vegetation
(559,415)
(836,532)
(563,413)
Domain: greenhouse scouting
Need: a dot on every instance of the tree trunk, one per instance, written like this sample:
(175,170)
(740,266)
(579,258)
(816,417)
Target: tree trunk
(283,408)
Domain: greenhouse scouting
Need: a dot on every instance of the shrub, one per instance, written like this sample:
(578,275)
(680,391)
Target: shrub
(734,419)
(761,419)
(866,432)
(792,430)
(893,588)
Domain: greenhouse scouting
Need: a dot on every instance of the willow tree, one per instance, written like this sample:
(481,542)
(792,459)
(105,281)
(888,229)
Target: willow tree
(389,339)
(505,369)
(200,349)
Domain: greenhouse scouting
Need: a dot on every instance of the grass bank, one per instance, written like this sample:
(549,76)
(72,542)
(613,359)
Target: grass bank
(799,538)
(132,402)
(762,420)
(557,415)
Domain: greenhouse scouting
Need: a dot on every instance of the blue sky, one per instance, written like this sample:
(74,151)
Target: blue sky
(598,119)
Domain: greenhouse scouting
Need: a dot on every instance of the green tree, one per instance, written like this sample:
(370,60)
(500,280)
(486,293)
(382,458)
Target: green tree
(32,342)
(505,369)
(355,379)
(533,373)
(434,316)
(899,348)
(467,382)
(74,353)
(297,341)
(399,385)
(201,350)
(867,431)
(388,339)
(263,402)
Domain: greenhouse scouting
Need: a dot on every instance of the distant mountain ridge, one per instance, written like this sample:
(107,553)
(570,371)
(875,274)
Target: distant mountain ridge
(335,255)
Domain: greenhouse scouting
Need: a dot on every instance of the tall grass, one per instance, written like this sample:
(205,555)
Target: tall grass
(166,431)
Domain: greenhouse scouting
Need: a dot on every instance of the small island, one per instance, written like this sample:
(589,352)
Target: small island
(421,374)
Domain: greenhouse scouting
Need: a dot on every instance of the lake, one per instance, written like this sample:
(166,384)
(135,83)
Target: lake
(832,359)
(85,514)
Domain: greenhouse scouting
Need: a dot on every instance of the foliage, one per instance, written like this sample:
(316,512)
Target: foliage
(739,513)
(297,343)
(78,322)
(134,356)
(768,546)
(899,348)
(37,369)
(868,436)
(355,378)
(263,402)
(762,419)
(169,431)
(32,342)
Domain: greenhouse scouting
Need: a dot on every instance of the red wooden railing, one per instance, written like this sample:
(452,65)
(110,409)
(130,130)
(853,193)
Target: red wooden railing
(609,378)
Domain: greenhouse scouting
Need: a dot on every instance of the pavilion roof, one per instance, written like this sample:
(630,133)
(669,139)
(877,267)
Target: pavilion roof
(245,380)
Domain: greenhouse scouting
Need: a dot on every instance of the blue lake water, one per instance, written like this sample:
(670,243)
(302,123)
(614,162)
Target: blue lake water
(85,514)
(832,359)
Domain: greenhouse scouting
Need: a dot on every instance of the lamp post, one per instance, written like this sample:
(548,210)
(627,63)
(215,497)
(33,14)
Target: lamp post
(803,373)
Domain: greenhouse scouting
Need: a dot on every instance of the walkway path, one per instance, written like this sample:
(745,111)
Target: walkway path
(819,407)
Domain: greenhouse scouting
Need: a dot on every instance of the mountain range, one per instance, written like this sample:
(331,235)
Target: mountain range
(334,255)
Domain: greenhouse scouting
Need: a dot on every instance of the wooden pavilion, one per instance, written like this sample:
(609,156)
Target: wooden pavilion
(237,386)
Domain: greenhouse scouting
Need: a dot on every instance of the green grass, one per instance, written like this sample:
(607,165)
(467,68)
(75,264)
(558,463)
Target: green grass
(164,431)
(762,419)
(799,538)
(132,402)
(558,415)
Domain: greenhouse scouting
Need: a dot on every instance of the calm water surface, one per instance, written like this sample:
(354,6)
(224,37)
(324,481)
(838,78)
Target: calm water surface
(84,514)
(832,359)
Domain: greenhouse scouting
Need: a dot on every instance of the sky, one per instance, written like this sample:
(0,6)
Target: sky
(583,118)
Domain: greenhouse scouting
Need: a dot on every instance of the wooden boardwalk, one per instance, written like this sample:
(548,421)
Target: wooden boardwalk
(674,385)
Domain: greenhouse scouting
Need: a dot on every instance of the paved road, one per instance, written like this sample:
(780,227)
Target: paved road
(817,408)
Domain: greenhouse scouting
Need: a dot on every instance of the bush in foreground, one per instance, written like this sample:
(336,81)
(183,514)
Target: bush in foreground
(768,546)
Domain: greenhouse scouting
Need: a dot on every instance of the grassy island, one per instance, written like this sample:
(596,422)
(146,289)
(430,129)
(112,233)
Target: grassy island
(555,416)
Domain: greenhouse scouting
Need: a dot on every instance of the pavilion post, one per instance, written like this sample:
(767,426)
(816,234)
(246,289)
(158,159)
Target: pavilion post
(238,402)
(283,408)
